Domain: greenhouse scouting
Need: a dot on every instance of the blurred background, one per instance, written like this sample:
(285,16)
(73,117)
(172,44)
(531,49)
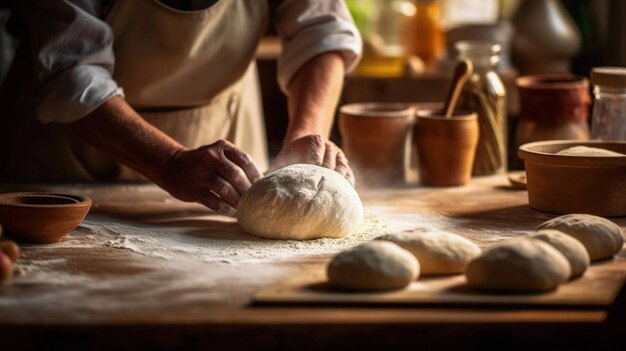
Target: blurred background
(409,49)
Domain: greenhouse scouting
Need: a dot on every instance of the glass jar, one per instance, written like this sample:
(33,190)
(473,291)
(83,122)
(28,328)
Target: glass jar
(429,37)
(553,106)
(382,24)
(608,118)
(484,93)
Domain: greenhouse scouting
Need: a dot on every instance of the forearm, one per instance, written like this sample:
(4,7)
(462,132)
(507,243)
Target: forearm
(116,128)
(313,95)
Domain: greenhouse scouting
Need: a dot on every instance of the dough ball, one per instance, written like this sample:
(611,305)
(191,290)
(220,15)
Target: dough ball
(601,237)
(300,202)
(571,248)
(521,265)
(588,151)
(438,252)
(377,265)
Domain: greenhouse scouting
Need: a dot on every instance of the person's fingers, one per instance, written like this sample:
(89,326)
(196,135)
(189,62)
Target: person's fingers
(6,268)
(344,168)
(10,249)
(229,170)
(330,155)
(244,161)
(214,202)
(224,190)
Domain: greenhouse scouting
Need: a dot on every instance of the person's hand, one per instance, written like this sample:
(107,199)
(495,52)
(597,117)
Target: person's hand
(315,150)
(214,175)
(9,253)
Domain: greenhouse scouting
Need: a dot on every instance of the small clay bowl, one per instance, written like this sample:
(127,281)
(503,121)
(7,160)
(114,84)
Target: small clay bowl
(40,217)
(575,184)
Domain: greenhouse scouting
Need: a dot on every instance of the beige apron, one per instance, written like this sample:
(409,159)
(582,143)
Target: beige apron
(191,74)
(202,60)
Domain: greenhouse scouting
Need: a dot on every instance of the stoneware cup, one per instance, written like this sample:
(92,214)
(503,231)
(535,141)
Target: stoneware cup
(374,139)
(445,147)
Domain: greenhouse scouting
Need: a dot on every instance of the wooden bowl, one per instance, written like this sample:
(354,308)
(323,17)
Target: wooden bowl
(41,218)
(575,184)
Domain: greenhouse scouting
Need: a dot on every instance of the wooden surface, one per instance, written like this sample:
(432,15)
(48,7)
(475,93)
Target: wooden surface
(100,292)
(596,289)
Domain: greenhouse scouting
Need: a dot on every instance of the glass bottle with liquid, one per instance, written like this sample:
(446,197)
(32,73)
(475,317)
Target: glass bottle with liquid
(485,94)
(429,37)
(382,23)
(608,117)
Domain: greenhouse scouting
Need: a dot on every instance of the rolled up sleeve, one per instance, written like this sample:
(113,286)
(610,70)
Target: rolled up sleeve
(72,57)
(312,27)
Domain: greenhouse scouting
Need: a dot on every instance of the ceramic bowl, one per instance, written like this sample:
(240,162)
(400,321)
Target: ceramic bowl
(40,217)
(575,184)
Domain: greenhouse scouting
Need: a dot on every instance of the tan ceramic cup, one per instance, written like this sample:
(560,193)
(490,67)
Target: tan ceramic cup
(374,137)
(445,147)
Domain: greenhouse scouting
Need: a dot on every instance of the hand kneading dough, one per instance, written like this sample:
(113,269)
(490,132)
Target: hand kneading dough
(601,237)
(588,151)
(523,265)
(438,252)
(571,248)
(377,265)
(300,202)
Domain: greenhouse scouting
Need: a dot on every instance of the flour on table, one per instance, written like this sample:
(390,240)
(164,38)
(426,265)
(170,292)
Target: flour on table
(217,239)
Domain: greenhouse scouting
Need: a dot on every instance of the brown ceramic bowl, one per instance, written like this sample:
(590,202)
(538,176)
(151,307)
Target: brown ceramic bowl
(41,218)
(575,184)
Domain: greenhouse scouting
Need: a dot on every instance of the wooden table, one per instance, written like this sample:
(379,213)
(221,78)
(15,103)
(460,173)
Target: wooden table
(87,292)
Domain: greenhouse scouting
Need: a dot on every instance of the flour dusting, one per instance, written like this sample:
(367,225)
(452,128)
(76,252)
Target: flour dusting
(217,239)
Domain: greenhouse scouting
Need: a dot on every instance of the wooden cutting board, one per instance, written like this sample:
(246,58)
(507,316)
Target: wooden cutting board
(597,288)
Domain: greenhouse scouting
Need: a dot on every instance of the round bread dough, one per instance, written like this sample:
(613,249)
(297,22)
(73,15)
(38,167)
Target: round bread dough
(300,202)
(573,250)
(521,265)
(377,265)
(601,237)
(438,252)
(588,151)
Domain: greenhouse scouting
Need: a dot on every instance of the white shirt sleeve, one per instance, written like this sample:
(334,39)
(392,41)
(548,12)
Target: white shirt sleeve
(72,57)
(310,27)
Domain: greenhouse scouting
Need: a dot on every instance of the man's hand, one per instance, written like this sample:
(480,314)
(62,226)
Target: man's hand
(214,175)
(315,150)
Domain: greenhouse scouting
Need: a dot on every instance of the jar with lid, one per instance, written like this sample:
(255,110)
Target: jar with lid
(608,118)
(553,106)
(485,94)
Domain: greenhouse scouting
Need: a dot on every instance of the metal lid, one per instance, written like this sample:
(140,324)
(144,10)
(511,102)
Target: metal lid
(609,76)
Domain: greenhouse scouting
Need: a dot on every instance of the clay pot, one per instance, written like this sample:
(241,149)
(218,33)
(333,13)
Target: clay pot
(41,218)
(445,147)
(374,139)
(575,184)
(553,107)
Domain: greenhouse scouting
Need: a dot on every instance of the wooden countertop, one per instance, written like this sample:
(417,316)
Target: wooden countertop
(108,289)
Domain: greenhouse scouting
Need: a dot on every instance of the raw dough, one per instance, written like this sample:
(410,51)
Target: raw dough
(377,265)
(571,248)
(588,151)
(523,265)
(601,237)
(438,252)
(300,202)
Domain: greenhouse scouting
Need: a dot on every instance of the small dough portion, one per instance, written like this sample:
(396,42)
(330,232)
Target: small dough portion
(377,265)
(601,237)
(519,265)
(571,248)
(438,252)
(588,151)
(300,202)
